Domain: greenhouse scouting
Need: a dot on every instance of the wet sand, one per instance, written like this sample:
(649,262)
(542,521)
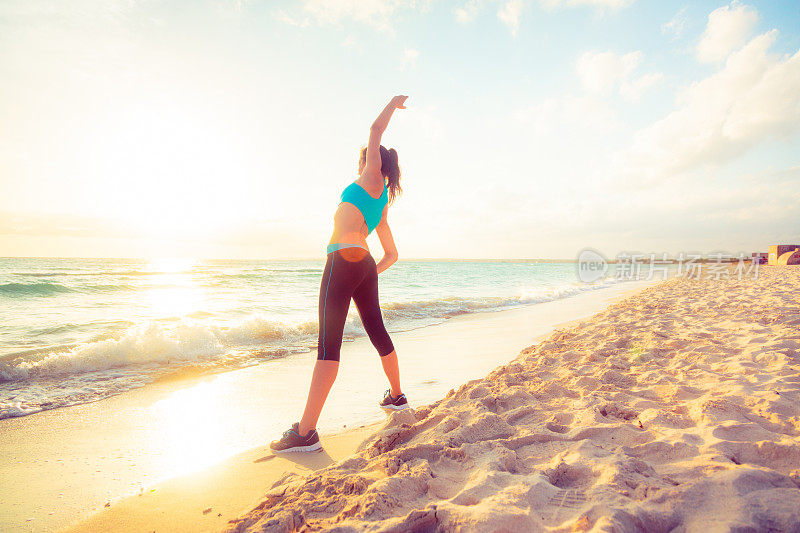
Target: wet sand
(207,500)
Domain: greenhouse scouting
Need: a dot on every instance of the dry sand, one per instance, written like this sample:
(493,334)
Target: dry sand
(676,409)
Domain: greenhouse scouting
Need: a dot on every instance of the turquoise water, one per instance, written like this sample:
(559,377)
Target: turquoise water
(77,330)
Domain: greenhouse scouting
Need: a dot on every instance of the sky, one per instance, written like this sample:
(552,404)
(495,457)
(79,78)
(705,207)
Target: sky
(534,128)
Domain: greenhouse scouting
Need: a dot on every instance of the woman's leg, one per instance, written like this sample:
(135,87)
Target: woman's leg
(321,383)
(339,279)
(392,370)
(367,302)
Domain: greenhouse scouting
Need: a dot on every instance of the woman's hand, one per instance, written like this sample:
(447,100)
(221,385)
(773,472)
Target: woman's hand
(398,102)
(373,163)
(387,241)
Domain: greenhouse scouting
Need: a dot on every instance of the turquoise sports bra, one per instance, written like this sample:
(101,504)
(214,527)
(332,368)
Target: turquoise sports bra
(371,208)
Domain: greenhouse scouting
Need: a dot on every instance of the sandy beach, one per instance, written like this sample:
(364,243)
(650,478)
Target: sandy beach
(64,465)
(673,410)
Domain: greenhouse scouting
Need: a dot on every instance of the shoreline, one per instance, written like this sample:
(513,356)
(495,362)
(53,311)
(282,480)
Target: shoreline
(136,513)
(126,357)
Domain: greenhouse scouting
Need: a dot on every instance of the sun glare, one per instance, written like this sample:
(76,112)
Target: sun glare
(170,265)
(193,428)
(173,290)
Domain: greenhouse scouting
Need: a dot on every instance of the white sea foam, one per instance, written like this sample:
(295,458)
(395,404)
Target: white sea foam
(146,343)
(124,347)
(190,341)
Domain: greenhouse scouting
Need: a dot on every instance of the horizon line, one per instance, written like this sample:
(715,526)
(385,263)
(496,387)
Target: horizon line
(296,258)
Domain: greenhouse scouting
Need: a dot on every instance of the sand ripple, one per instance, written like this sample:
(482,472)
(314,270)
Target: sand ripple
(677,409)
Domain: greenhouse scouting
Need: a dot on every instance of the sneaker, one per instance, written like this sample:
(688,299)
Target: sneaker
(394,404)
(292,441)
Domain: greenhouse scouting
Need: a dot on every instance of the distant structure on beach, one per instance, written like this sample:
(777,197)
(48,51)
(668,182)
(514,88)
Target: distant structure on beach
(784,254)
(759,258)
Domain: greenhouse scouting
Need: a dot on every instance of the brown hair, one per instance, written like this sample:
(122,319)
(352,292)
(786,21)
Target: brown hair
(390,169)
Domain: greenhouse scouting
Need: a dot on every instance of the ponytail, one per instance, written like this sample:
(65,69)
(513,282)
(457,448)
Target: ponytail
(390,168)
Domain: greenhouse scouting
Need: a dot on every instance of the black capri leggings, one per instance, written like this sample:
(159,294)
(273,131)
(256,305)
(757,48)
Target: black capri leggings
(349,273)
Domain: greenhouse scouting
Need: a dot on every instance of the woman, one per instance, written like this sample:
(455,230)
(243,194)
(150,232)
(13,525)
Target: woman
(351,272)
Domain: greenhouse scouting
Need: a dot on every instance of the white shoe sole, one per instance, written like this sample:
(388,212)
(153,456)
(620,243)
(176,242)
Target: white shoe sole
(311,448)
(395,407)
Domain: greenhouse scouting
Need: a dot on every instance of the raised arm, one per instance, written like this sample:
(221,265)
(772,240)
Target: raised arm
(387,242)
(373,163)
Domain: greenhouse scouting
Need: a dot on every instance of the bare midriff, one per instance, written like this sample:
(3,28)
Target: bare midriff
(349,226)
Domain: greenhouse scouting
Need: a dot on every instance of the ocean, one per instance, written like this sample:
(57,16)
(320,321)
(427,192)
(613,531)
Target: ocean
(79,330)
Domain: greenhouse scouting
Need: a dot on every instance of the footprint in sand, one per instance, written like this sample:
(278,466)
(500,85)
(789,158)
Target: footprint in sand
(781,457)
(566,476)
(565,503)
(556,428)
(742,432)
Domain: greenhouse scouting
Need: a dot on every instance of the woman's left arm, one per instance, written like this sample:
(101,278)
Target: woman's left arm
(387,242)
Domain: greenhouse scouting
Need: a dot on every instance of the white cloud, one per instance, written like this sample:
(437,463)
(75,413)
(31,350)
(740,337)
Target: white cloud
(409,59)
(600,72)
(376,13)
(565,141)
(510,13)
(753,97)
(599,4)
(284,17)
(603,72)
(676,25)
(728,29)
(467,13)
(771,104)
(380,13)
(633,89)
(568,115)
